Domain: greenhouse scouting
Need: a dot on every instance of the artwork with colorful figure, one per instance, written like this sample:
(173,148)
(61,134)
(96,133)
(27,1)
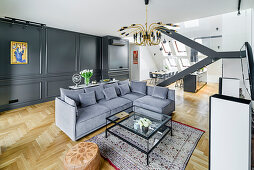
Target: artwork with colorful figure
(19,52)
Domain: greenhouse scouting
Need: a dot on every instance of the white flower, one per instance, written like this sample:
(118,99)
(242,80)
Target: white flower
(144,122)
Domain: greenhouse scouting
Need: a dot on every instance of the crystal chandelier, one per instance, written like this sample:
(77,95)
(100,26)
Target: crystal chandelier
(144,35)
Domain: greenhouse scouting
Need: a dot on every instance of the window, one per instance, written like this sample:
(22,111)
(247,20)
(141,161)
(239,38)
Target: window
(185,62)
(172,62)
(165,48)
(167,64)
(180,48)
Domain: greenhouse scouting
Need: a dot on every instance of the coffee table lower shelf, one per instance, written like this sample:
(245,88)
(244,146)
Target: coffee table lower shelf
(148,151)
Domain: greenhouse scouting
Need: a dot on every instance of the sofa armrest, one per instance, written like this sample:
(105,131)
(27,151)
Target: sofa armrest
(65,118)
(171,94)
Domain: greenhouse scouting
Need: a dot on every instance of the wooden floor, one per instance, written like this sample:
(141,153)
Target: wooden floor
(29,138)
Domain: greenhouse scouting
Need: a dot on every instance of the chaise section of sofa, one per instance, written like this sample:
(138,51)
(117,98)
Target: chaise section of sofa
(149,102)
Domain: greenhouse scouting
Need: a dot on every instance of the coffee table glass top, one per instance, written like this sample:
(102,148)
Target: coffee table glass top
(130,122)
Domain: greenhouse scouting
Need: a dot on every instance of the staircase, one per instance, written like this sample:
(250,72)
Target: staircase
(212,55)
(187,71)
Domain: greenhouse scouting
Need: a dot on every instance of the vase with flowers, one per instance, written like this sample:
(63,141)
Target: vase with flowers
(86,74)
(144,124)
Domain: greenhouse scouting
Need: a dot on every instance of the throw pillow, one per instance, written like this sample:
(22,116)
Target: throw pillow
(149,90)
(115,85)
(73,94)
(138,87)
(160,92)
(98,91)
(110,93)
(125,89)
(124,82)
(87,99)
(70,101)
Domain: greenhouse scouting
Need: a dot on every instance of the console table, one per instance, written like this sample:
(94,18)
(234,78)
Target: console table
(81,86)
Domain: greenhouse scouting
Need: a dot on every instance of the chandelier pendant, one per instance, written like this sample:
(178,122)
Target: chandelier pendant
(144,35)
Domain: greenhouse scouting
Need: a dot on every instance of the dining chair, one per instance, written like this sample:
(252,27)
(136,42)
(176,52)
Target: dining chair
(166,76)
(160,77)
(153,77)
(169,74)
(179,83)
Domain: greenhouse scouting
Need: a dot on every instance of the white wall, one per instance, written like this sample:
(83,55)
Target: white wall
(145,64)
(235,31)
(214,71)
(134,68)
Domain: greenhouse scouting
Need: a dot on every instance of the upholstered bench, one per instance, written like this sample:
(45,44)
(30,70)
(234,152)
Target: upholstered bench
(83,156)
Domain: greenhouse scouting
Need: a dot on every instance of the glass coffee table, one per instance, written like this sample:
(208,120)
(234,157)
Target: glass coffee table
(144,141)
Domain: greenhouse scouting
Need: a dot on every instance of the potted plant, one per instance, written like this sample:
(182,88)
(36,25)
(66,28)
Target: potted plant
(144,124)
(86,74)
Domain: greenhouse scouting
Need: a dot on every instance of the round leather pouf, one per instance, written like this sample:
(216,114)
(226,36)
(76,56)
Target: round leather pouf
(83,156)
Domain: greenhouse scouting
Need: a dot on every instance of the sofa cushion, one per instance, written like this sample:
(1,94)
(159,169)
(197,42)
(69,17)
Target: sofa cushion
(87,99)
(110,93)
(116,105)
(138,87)
(155,104)
(70,101)
(92,111)
(132,96)
(125,89)
(73,94)
(160,92)
(124,82)
(171,94)
(115,85)
(98,91)
(90,118)
(149,90)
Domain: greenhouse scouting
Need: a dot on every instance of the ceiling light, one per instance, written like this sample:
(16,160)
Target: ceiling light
(144,34)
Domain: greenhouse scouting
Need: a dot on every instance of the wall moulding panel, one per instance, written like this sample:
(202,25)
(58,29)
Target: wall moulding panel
(54,55)
(22,92)
(61,49)
(34,38)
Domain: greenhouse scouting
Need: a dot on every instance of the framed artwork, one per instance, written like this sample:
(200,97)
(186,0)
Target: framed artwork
(135,57)
(19,52)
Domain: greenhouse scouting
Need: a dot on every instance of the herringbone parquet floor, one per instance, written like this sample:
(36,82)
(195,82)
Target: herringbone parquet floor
(29,138)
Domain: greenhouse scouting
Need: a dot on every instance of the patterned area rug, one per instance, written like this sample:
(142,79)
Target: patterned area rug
(172,153)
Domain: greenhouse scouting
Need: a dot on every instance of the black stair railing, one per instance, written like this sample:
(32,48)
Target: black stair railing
(212,55)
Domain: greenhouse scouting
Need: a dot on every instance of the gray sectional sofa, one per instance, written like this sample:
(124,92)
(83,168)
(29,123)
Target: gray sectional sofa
(80,112)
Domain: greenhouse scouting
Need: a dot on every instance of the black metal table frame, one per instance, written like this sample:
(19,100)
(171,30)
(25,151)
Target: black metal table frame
(147,152)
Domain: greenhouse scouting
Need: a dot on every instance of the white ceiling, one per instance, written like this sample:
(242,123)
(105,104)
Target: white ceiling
(105,17)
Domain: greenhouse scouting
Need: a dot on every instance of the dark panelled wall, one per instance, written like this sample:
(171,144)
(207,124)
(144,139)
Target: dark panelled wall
(54,55)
